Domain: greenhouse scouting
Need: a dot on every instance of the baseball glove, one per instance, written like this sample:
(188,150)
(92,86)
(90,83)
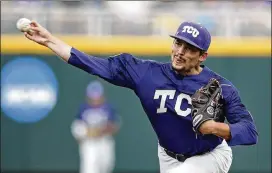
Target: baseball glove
(206,104)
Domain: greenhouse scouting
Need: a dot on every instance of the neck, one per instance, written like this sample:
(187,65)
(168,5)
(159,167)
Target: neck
(193,71)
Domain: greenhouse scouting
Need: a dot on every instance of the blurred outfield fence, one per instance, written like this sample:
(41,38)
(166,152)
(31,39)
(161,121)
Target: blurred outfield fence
(223,18)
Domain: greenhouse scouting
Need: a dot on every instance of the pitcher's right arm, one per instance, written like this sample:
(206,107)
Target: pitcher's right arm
(122,70)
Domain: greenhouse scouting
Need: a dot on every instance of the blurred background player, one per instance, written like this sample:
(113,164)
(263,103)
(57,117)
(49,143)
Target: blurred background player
(93,128)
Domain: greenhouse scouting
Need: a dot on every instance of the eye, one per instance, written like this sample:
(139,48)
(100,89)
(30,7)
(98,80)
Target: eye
(179,43)
(192,48)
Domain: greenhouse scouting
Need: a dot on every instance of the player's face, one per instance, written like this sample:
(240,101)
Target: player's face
(185,57)
(95,101)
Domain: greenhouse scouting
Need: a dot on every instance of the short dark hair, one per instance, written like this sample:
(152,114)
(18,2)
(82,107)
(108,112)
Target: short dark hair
(202,52)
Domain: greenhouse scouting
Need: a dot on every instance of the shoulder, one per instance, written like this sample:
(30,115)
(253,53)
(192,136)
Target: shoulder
(228,88)
(84,106)
(107,106)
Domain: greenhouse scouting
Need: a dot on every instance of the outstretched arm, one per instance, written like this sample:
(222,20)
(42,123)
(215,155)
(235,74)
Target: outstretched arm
(122,70)
(43,37)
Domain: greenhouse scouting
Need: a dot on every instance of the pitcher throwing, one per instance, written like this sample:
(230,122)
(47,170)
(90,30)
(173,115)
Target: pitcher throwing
(185,101)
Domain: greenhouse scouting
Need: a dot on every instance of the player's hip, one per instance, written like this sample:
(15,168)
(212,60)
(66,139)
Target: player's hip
(190,147)
(220,160)
(222,146)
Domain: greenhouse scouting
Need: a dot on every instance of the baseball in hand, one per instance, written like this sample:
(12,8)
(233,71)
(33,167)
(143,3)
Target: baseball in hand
(23,25)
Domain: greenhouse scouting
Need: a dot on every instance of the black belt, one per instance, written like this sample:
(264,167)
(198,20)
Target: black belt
(179,157)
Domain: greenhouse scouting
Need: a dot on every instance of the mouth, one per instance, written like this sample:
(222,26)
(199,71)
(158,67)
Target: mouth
(179,60)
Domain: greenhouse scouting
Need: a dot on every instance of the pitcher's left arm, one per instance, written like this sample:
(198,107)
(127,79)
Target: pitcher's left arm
(243,130)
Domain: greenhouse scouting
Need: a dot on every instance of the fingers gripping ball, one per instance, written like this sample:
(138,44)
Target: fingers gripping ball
(206,103)
(23,25)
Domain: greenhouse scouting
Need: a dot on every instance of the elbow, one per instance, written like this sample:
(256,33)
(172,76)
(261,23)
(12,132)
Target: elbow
(254,133)
(255,141)
(243,134)
(255,138)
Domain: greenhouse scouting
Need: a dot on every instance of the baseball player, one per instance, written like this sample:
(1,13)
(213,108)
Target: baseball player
(183,99)
(93,128)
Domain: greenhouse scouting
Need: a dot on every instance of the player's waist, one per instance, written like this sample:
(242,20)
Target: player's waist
(182,156)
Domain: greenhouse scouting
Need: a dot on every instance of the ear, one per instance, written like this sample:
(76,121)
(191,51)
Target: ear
(203,57)
(173,45)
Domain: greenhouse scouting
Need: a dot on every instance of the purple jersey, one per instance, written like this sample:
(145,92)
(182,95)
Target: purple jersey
(165,97)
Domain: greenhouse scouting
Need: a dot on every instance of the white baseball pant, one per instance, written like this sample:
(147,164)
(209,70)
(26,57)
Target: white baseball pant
(217,161)
(97,155)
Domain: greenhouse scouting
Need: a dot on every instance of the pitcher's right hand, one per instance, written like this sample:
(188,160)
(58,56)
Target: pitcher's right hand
(38,34)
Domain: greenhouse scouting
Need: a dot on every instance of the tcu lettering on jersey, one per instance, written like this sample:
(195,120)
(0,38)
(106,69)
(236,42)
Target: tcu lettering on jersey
(169,94)
(191,30)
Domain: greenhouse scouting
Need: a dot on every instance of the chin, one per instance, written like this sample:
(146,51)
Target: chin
(177,68)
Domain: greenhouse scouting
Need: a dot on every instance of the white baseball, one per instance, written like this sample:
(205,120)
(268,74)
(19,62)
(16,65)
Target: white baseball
(23,24)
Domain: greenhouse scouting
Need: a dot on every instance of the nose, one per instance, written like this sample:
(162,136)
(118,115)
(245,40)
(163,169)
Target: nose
(181,49)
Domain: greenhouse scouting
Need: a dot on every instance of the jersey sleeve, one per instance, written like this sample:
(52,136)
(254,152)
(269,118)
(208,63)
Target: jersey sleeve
(79,112)
(114,116)
(122,70)
(242,126)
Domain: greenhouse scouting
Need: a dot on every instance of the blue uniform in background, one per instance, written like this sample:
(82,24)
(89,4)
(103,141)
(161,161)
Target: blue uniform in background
(97,116)
(93,128)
